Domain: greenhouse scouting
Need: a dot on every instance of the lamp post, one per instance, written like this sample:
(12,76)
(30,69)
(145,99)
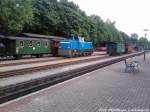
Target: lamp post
(145,30)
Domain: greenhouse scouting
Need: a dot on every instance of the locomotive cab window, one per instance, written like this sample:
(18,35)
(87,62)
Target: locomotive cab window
(21,43)
(31,44)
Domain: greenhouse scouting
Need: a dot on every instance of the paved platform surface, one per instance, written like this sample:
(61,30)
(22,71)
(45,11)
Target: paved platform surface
(98,91)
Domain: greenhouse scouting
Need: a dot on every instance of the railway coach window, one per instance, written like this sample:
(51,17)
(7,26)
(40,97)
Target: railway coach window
(21,43)
(46,44)
(31,44)
(39,44)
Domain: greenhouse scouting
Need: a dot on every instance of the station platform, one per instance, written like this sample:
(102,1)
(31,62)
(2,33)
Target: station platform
(109,88)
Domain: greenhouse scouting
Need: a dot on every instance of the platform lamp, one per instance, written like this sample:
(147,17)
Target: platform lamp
(145,30)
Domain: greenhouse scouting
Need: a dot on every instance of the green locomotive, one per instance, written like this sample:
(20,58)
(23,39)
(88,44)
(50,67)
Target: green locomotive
(19,46)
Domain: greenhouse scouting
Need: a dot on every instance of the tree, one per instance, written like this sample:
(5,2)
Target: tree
(72,19)
(46,17)
(134,38)
(125,37)
(143,42)
(14,14)
(53,17)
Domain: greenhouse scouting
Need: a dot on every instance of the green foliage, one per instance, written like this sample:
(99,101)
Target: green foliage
(14,14)
(54,17)
(46,16)
(143,42)
(134,38)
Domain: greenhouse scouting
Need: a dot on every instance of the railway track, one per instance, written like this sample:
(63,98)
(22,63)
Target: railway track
(11,58)
(30,60)
(46,67)
(27,61)
(21,89)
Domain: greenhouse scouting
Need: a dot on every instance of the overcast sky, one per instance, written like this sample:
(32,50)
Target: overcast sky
(131,16)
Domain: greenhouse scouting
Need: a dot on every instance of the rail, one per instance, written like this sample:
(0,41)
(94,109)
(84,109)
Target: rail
(46,67)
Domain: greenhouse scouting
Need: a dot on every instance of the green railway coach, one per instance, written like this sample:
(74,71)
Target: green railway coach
(114,48)
(19,46)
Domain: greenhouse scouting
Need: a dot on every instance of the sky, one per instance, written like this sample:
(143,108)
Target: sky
(131,16)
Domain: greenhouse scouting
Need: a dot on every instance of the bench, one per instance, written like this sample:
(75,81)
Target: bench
(131,66)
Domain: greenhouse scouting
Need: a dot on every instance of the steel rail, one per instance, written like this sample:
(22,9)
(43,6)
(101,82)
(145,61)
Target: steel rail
(45,67)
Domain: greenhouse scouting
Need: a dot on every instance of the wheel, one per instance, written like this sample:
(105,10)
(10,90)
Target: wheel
(39,55)
(17,57)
